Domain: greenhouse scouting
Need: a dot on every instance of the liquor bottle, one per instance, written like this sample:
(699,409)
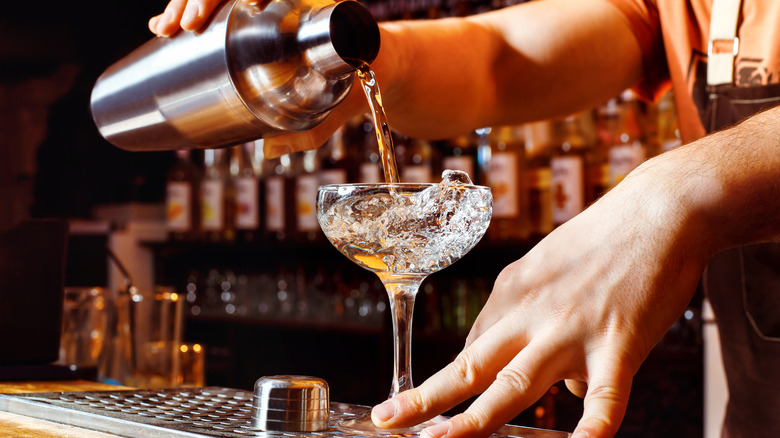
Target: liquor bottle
(538,178)
(216,197)
(417,158)
(277,190)
(482,141)
(505,178)
(666,122)
(246,181)
(460,153)
(607,122)
(628,149)
(306,184)
(335,165)
(181,198)
(567,164)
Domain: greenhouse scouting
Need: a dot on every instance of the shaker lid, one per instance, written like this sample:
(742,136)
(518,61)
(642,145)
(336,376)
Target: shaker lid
(291,403)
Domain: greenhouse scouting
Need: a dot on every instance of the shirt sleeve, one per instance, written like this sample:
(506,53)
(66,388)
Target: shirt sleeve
(642,18)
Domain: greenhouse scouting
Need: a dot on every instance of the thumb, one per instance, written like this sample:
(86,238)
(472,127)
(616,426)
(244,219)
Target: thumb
(605,403)
(283,143)
(280,144)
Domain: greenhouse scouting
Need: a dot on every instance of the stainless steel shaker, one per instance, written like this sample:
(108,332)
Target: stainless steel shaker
(256,68)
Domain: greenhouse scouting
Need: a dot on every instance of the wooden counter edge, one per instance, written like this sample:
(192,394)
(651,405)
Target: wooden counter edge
(20,426)
(56,386)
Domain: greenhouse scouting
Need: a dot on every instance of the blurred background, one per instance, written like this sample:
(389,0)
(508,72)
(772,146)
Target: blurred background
(53,162)
(268,303)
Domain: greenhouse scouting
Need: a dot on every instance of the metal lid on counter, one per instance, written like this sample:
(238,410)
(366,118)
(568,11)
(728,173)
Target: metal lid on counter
(291,403)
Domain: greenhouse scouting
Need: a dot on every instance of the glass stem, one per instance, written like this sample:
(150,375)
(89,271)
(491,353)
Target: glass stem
(402,289)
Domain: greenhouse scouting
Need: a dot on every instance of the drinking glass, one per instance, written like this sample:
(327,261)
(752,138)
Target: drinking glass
(85,327)
(150,329)
(402,232)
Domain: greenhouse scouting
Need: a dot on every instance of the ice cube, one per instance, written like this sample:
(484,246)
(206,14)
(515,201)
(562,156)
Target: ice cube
(371,208)
(436,205)
(459,177)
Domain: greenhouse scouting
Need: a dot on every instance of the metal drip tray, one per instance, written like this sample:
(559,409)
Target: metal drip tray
(187,412)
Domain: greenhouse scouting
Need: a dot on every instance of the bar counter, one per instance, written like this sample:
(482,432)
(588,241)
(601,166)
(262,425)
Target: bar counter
(14,425)
(19,426)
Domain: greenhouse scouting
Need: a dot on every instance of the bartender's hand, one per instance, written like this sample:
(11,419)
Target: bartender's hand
(586,305)
(182,14)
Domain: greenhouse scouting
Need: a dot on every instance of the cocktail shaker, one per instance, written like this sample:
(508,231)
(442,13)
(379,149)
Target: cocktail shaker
(256,68)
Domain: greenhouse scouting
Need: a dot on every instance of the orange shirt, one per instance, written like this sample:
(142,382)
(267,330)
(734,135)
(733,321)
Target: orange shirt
(673,36)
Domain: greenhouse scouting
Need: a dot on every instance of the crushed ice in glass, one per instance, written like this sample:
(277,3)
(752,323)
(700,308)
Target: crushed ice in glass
(412,232)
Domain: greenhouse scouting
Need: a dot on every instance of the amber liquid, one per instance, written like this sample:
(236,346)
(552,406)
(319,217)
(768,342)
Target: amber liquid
(383,137)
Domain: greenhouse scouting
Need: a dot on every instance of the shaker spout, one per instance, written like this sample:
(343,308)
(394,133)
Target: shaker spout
(339,38)
(355,33)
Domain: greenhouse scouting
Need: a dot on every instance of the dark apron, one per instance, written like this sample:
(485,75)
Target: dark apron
(743,286)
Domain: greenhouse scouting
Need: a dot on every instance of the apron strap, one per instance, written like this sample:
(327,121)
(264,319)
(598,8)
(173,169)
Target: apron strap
(723,44)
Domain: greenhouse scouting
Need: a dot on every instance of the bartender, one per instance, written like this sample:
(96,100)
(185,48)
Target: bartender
(588,303)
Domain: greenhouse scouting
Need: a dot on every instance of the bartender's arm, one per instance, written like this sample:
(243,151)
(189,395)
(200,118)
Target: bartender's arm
(441,78)
(588,302)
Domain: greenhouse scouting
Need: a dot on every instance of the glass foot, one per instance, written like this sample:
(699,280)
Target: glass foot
(361,425)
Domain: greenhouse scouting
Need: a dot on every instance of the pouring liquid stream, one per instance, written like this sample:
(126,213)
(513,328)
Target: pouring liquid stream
(382,128)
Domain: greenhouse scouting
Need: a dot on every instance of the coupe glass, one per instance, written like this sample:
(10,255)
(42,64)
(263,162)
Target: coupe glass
(403,232)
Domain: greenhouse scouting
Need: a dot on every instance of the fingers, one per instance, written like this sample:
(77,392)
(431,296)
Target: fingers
(472,372)
(512,384)
(197,13)
(492,312)
(577,387)
(516,387)
(278,145)
(606,399)
(182,14)
(192,16)
(167,23)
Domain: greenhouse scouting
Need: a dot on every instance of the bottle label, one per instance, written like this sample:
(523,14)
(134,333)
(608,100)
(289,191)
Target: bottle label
(568,187)
(462,163)
(274,203)
(247,208)
(178,206)
(623,159)
(503,179)
(370,173)
(212,203)
(332,176)
(305,202)
(417,174)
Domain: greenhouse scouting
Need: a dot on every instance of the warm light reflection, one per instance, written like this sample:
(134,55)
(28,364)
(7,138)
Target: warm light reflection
(371,261)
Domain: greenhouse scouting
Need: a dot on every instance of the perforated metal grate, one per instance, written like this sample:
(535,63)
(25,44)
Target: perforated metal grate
(189,412)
